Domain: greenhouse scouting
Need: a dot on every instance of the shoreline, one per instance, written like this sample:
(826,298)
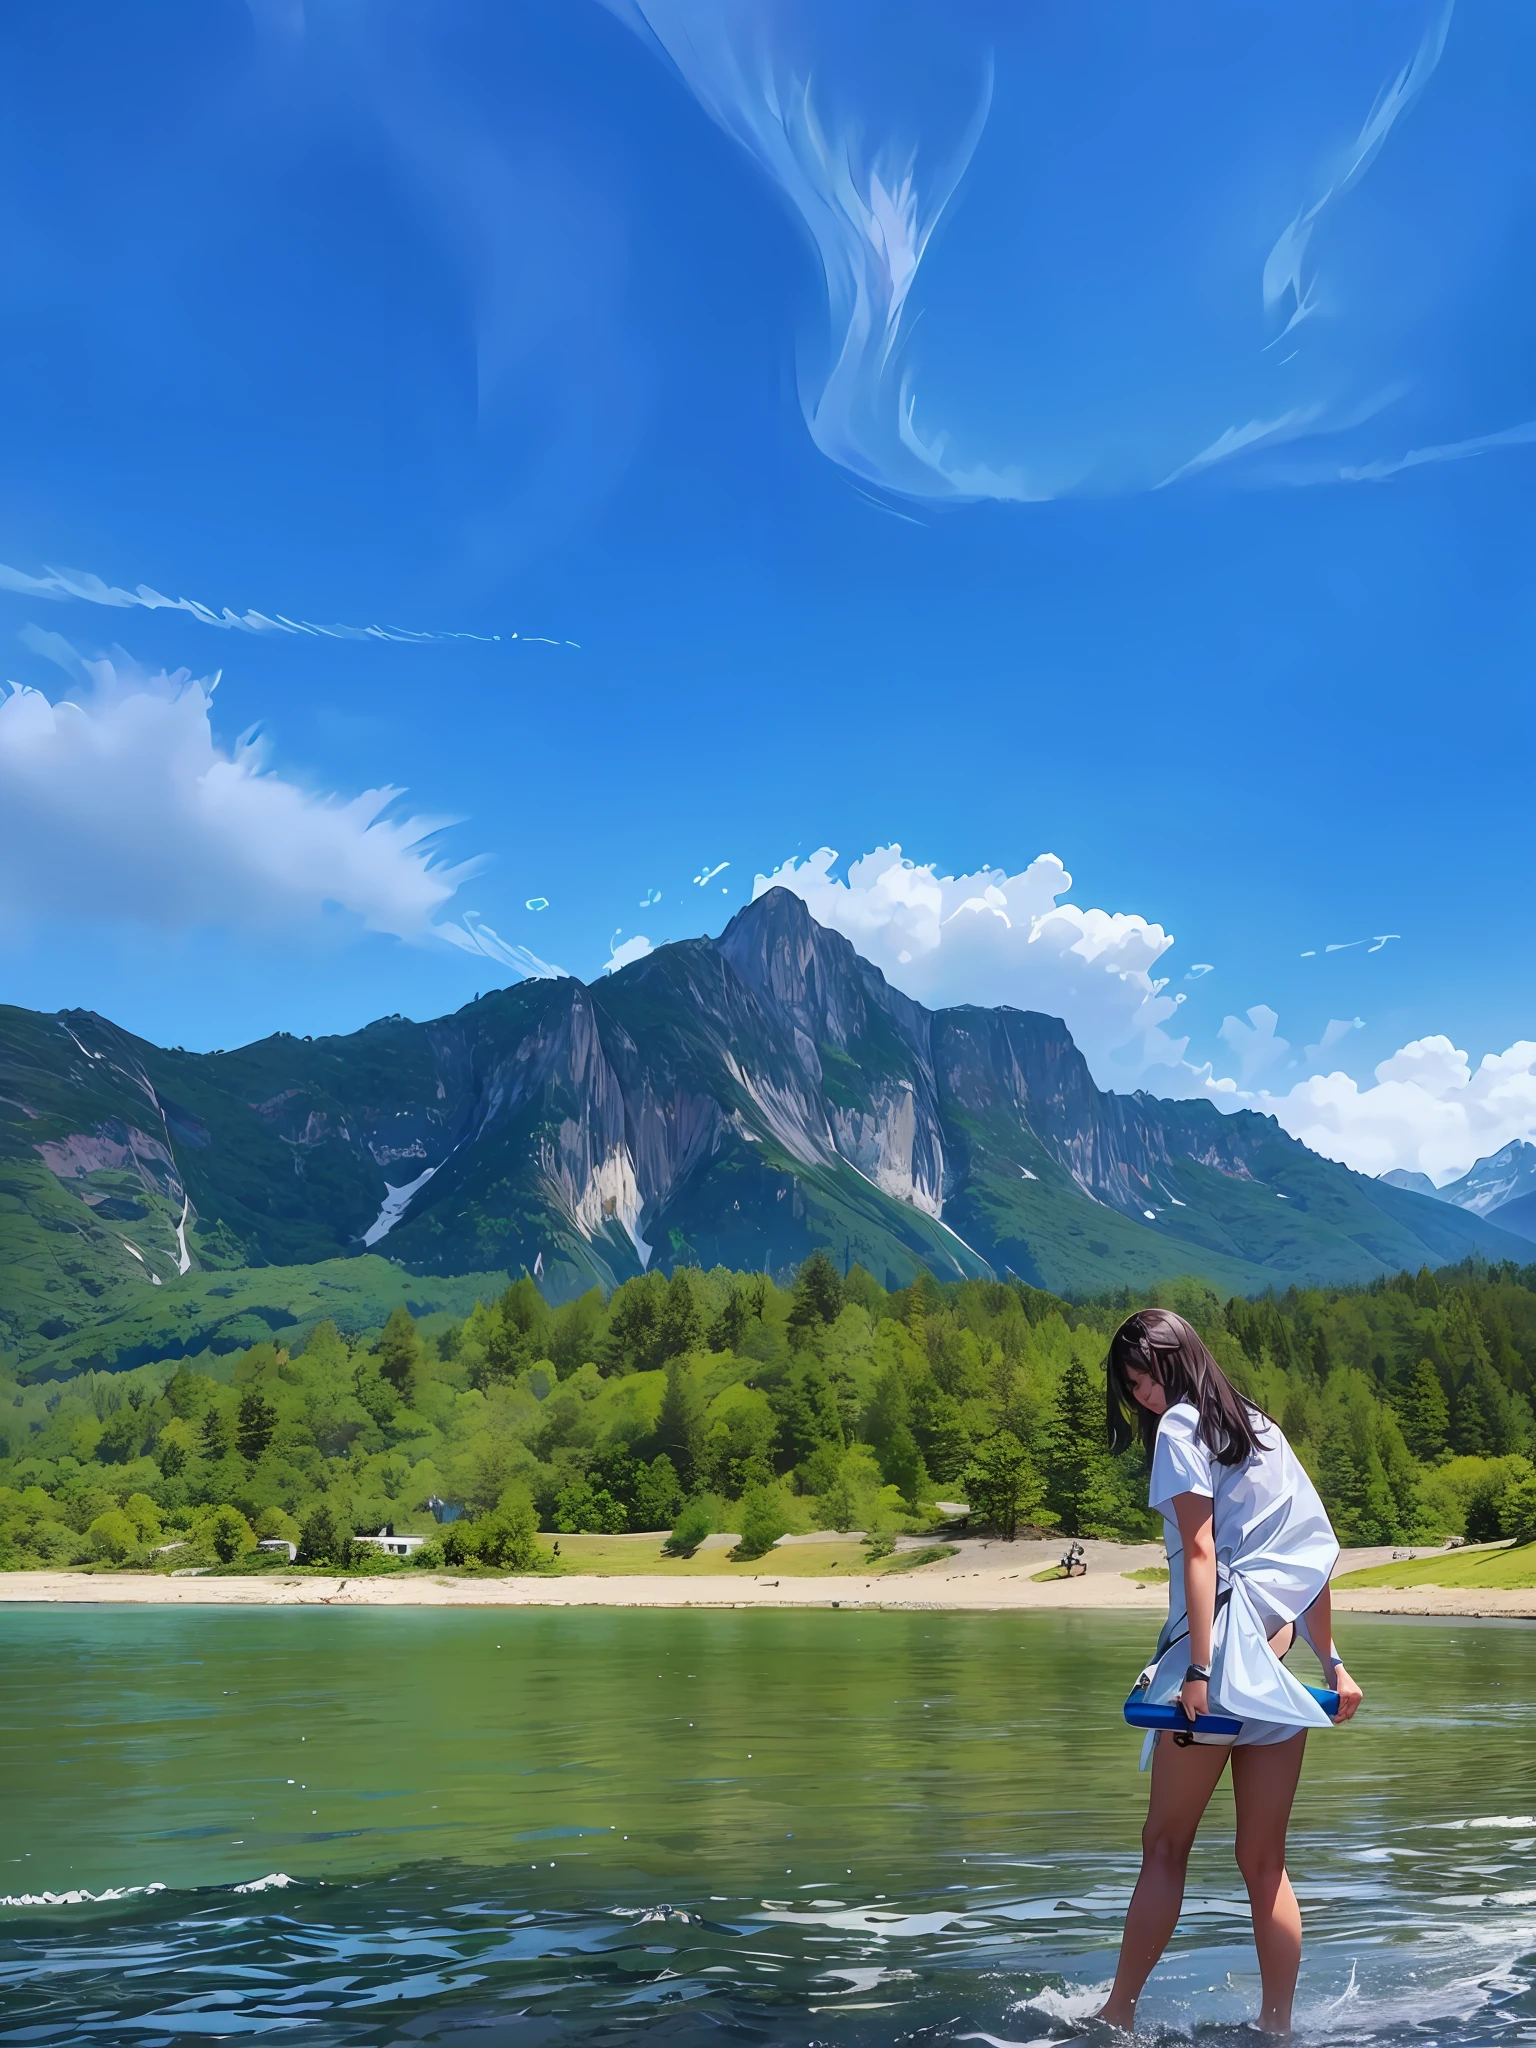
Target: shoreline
(982,1577)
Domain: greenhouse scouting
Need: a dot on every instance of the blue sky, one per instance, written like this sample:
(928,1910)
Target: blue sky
(989,431)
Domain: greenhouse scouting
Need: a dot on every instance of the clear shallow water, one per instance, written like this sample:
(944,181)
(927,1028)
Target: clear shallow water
(687,1827)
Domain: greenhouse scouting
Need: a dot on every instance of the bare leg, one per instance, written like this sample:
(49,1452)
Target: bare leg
(1182,1783)
(1264,1780)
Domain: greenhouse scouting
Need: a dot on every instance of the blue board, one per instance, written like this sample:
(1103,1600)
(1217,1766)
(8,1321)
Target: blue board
(1222,1726)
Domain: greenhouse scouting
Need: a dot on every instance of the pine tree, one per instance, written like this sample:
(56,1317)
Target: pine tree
(658,1495)
(1425,1412)
(681,1326)
(1076,1458)
(1247,1328)
(399,1353)
(818,1297)
(810,1415)
(1403,1475)
(183,1392)
(889,1408)
(322,1539)
(1482,1424)
(634,1329)
(1352,1476)
(901,1465)
(254,1424)
(730,1326)
(680,1425)
(215,1434)
(763,1521)
(525,1310)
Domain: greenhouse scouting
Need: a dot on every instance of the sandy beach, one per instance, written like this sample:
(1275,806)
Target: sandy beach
(982,1576)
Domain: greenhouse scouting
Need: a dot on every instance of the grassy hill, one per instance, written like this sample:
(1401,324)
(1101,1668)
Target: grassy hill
(220,1313)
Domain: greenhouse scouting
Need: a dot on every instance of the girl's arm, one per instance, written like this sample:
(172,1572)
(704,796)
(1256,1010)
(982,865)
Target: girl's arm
(1317,1627)
(1193,1512)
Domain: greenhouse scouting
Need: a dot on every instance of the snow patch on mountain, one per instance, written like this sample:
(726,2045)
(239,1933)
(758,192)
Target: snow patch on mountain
(396,1202)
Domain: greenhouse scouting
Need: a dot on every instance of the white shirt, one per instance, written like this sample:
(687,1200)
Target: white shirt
(1275,1552)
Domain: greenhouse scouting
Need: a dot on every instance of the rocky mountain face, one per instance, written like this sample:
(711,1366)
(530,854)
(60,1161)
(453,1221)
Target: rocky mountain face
(734,1101)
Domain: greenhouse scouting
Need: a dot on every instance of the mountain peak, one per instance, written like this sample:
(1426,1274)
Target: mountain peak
(817,976)
(777,918)
(1507,1175)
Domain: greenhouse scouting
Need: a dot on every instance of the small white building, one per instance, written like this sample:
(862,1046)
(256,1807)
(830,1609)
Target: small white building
(393,1545)
(289,1550)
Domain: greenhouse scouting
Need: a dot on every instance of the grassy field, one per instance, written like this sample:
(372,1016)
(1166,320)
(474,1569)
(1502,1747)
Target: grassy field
(624,1556)
(1151,1575)
(1483,1569)
(608,1557)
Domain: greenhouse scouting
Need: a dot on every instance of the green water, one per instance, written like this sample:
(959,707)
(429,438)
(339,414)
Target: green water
(811,1826)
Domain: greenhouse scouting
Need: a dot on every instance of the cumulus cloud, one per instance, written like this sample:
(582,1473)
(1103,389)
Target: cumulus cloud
(1428,1109)
(992,937)
(121,803)
(995,938)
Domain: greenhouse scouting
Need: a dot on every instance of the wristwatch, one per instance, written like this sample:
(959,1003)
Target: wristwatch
(1201,1671)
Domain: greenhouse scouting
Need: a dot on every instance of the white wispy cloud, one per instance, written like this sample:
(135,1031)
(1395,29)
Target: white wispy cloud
(1240,440)
(1446,451)
(118,803)
(992,937)
(1285,287)
(870,207)
(471,934)
(79,586)
(871,198)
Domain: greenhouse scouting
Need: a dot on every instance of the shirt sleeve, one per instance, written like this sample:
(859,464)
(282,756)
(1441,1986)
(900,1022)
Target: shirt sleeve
(1180,1462)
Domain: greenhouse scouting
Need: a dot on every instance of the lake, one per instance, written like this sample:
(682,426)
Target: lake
(503,1829)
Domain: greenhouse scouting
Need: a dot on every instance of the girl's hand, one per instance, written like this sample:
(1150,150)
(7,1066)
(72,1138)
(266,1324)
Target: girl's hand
(1195,1695)
(1349,1694)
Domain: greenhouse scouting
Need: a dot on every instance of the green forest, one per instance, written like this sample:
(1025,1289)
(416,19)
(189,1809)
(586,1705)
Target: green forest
(719,1401)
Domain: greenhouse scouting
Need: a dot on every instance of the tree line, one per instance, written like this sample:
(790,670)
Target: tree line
(720,1400)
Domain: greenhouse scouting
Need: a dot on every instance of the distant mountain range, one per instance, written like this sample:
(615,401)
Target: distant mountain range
(735,1101)
(1501,1188)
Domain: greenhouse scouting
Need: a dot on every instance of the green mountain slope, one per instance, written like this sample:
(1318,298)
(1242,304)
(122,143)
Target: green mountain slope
(734,1101)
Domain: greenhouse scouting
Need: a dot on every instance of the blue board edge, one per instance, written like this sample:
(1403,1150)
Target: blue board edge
(1141,1715)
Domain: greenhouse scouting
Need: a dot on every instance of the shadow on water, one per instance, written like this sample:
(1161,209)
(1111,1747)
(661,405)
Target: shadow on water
(765,1828)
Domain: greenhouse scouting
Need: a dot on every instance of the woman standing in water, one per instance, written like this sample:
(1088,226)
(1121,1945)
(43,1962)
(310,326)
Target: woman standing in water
(1250,1553)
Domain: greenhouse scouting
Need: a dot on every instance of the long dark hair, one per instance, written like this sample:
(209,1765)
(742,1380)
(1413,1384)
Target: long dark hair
(1162,1345)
